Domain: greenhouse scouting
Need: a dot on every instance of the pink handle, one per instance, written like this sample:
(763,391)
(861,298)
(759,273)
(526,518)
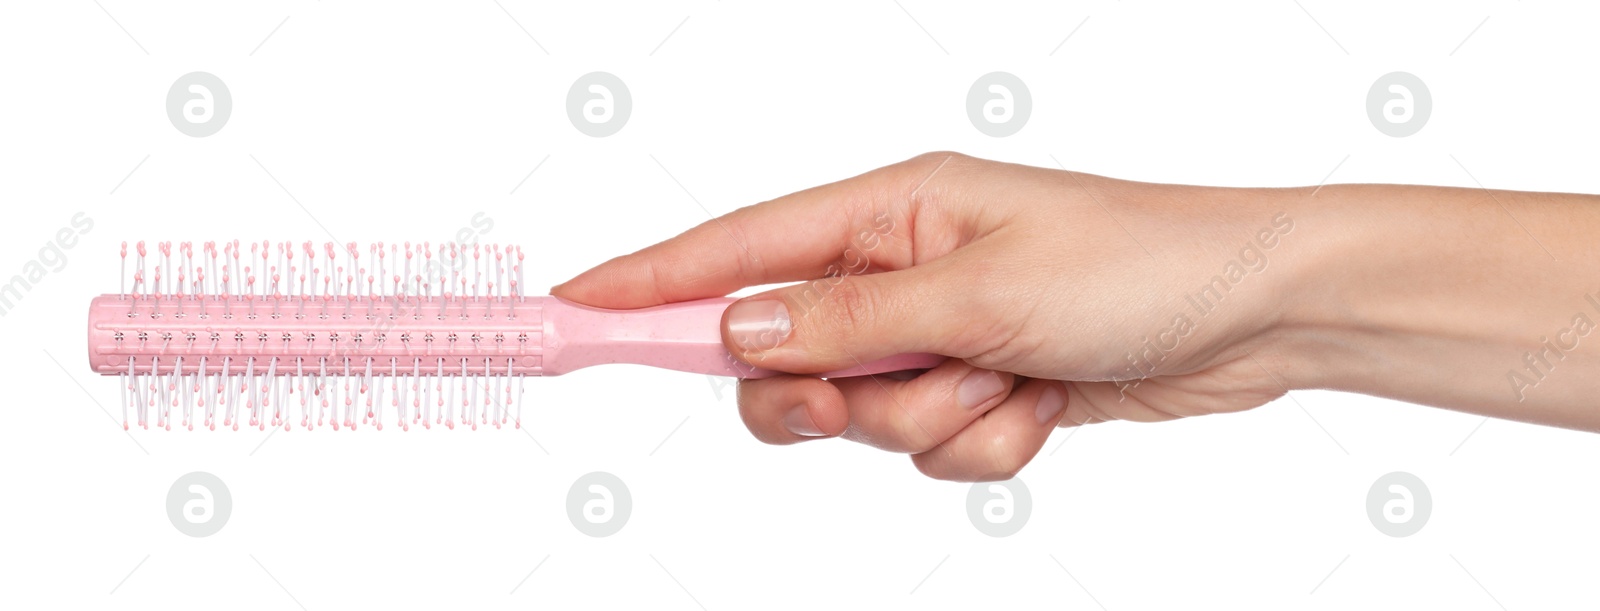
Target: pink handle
(679,336)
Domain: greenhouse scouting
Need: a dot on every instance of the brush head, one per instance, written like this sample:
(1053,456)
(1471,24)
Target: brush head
(224,303)
(151,335)
(249,331)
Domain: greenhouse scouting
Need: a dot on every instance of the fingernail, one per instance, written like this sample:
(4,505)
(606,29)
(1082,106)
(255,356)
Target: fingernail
(799,422)
(1050,406)
(758,325)
(979,387)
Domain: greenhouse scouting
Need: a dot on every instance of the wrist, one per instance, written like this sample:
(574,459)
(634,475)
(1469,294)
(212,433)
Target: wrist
(1430,295)
(1322,337)
(1362,295)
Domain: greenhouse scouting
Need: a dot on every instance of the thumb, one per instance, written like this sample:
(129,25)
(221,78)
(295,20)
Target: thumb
(844,321)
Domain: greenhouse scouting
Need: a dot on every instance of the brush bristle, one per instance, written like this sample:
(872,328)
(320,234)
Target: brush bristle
(246,338)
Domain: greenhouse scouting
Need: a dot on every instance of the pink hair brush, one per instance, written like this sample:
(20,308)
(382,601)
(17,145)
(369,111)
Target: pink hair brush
(228,336)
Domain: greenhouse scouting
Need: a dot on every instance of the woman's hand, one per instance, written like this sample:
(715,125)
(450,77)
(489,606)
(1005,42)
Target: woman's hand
(1064,298)
(1067,298)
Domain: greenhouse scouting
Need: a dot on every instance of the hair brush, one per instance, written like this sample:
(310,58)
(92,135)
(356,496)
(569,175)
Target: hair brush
(284,332)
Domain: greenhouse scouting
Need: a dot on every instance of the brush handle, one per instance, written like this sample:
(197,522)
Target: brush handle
(683,336)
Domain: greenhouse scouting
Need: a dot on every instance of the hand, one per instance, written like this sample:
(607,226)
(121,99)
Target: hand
(1064,298)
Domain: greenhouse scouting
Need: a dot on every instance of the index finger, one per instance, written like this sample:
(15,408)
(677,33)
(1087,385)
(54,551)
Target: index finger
(857,225)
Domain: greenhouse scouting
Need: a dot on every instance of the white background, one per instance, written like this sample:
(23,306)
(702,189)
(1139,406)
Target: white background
(401,122)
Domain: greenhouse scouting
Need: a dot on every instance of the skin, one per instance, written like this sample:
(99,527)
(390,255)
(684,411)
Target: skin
(1068,299)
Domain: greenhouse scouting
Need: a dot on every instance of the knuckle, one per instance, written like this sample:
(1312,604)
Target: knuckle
(933,467)
(913,437)
(851,306)
(996,476)
(949,469)
(917,177)
(937,157)
(1006,457)
(753,417)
